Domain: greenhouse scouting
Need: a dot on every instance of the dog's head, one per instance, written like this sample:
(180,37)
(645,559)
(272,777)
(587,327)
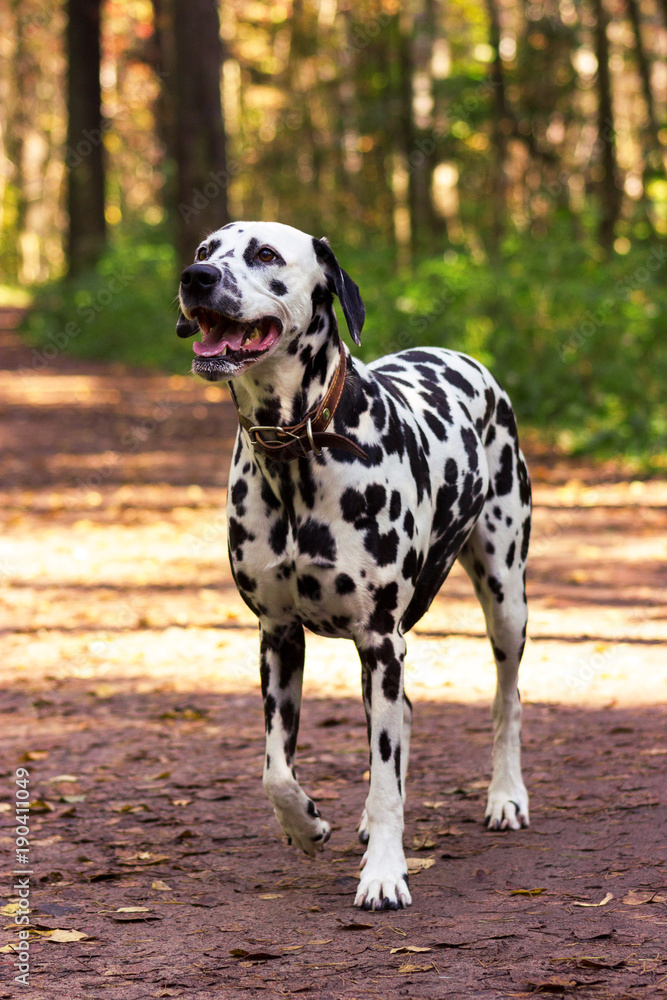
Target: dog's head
(253,287)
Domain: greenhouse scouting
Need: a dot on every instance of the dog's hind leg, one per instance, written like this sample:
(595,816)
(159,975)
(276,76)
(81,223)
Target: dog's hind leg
(282,650)
(384,879)
(495,559)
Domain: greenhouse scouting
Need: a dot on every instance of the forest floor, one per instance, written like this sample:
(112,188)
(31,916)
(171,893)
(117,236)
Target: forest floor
(128,690)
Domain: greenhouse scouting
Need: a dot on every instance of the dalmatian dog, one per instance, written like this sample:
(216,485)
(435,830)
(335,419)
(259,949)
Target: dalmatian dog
(353,489)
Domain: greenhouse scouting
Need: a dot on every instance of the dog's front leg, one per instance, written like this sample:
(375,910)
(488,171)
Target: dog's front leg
(282,649)
(384,879)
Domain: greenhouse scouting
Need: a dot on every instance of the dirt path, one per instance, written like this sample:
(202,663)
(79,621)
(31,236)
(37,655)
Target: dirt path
(128,692)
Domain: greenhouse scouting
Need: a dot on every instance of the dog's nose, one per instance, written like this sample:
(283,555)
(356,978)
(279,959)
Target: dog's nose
(199,277)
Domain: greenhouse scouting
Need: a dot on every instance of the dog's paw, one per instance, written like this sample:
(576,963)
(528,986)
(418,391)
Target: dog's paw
(310,833)
(507,810)
(362,829)
(383,886)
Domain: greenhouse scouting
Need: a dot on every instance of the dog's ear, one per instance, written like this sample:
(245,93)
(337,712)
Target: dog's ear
(186,327)
(347,290)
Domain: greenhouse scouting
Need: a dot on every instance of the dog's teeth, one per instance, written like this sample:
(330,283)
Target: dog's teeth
(224,350)
(253,335)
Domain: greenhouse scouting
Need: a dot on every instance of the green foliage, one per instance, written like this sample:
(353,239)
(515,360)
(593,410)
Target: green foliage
(578,342)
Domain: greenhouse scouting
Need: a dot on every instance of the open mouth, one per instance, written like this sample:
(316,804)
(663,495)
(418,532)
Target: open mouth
(223,336)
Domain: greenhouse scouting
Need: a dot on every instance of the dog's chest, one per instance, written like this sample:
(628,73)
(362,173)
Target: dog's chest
(298,549)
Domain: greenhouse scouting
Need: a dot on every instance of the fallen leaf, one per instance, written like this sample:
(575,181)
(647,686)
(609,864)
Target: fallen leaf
(433,804)
(34,755)
(423,842)
(59,936)
(637,897)
(586,962)
(160,885)
(9,909)
(5,807)
(419,864)
(63,777)
(271,895)
(40,806)
(603,902)
(407,948)
(133,909)
(527,892)
(411,967)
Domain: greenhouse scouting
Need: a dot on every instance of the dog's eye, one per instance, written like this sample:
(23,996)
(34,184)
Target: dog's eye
(202,254)
(266,255)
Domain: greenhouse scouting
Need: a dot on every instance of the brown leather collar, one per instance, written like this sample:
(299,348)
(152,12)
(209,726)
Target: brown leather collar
(310,434)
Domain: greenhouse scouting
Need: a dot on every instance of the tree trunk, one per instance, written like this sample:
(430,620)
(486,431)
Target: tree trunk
(85,134)
(199,135)
(652,150)
(502,126)
(610,194)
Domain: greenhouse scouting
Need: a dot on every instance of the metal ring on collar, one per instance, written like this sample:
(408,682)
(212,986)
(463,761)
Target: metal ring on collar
(309,432)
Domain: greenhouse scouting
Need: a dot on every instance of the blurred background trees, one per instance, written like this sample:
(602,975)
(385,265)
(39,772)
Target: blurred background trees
(495,169)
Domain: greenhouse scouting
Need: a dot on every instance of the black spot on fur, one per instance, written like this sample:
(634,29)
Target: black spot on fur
(499,655)
(385,745)
(277,287)
(409,524)
(244,582)
(525,539)
(496,589)
(504,478)
(469,439)
(315,539)
(237,536)
(344,584)
(239,492)
(386,600)
(309,587)
(278,535)
(269,711)
(509,558)
(435,425)
(455,378)
(395,505)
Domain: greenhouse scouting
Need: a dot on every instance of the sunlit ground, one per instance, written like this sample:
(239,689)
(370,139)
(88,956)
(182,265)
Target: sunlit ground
(114,566)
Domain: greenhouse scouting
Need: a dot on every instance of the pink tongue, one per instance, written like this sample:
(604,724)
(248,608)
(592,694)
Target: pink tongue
(214,342)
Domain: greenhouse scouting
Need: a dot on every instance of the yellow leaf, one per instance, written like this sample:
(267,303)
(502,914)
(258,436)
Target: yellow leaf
(160,885)
(10,909)
(527,892)
(181,802)
(64,937)
(419,864)
(5,807)
(34,755)
(423,841)
(410,967)
(64,777)
(603,902)
(133,909)
(271,895)
(433,804)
